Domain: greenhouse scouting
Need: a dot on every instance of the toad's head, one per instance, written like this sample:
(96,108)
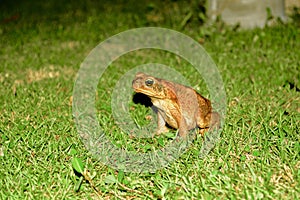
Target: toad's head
(150,86)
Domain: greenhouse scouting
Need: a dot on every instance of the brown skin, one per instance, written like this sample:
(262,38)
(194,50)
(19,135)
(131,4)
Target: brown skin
(179,106)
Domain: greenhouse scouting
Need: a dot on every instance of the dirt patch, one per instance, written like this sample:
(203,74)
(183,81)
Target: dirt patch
(41,74)
(48,73)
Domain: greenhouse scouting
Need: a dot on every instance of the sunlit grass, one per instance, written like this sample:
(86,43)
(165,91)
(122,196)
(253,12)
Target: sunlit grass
(41,51)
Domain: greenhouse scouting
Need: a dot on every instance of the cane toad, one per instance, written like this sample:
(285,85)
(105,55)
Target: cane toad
(179,106)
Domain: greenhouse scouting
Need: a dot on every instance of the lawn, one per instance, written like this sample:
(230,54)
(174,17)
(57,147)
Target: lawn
(42,46)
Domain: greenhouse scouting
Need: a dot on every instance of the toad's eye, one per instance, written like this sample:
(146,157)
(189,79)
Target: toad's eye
(149,82)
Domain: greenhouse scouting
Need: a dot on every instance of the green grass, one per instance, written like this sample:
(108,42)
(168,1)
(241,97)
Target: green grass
(41,48)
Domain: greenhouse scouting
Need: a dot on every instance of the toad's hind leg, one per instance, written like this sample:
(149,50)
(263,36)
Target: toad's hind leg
(203,123)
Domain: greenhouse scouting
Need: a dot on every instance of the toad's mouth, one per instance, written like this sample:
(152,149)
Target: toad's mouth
(148,93)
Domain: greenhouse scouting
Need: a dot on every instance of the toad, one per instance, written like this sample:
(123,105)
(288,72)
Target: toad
(179,106)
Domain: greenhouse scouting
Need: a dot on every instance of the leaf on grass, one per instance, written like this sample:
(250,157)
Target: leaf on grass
(77,164)
(186,19)
(147,147)
(256,153)
(73,152)
(243,158)
(110,179)
(78,184)
(121,176)
(169,135)
(161,142)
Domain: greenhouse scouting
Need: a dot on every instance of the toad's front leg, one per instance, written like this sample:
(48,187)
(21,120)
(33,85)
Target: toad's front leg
(161,125)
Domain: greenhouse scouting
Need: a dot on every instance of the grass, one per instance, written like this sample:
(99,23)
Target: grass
(41,48)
